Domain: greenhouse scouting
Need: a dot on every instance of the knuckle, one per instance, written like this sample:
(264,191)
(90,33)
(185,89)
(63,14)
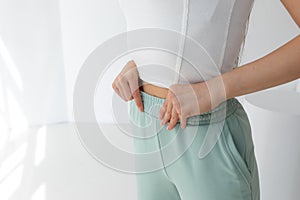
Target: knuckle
(166,118)
(121,78)
(174,101)
(128,75)
(131,62)
(132,75)
(117,80)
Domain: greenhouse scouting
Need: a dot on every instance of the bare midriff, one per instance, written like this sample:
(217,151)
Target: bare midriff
(154,90)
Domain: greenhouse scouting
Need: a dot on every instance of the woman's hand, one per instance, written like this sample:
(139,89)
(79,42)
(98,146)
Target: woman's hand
(126,84)
(186,100)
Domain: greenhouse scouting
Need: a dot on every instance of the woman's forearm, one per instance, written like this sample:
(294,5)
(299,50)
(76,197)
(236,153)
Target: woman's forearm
(278,67)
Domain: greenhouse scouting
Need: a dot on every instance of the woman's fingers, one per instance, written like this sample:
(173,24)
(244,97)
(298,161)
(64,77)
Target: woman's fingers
(176,105)
(122,82)
(127,87)
(125,90)
(116,89)
(163,109)
(174,119)
(135,91)
(167,114)
(119,91)
(183,119)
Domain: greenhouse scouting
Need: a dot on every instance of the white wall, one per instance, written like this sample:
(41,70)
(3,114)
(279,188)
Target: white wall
(42,47)
(85,25)
(31,62)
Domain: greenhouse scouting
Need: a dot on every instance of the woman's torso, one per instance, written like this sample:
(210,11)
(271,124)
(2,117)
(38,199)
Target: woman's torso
(215,31)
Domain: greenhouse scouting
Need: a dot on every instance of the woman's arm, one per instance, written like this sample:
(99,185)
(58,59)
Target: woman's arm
(278,67)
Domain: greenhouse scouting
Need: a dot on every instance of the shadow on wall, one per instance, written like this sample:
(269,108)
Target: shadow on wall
(23,161)
(39,163)
(49,163)
(39,55)
(31,60)
(31,92)
(22,157)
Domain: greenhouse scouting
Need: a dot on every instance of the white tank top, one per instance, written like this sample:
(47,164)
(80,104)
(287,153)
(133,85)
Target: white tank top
(217,26)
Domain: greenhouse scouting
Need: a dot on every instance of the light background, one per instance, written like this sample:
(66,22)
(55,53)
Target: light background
(42,47)
(44,44)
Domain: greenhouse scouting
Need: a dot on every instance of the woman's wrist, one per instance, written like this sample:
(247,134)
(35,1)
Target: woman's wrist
(213,91)
(217,90)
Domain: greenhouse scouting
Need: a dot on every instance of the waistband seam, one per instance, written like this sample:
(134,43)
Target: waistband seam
(230,105)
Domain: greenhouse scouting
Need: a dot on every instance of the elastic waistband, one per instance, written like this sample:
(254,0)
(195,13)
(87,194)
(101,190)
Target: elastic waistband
(152,105)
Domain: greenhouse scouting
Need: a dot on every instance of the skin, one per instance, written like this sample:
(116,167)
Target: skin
(126,84)
(278,67)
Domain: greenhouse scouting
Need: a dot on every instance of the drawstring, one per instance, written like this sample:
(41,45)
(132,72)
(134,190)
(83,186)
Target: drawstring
(182,39)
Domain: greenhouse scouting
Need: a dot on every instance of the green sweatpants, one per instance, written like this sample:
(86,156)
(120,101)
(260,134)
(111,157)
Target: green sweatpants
(211,159)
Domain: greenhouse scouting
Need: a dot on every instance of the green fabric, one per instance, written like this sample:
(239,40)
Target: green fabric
(228,172)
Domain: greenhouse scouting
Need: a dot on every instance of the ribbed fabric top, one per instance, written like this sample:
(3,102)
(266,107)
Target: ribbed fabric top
(217,26)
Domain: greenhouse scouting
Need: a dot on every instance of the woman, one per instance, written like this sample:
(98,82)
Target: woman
(190,97)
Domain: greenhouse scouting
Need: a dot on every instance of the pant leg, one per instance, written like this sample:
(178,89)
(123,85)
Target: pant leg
(243,148)
(153,184)
(228,172)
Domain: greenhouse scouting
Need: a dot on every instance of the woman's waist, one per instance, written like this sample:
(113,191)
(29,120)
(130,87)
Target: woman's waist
(165,76)
(165,70)
(153,104)
(154,90)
